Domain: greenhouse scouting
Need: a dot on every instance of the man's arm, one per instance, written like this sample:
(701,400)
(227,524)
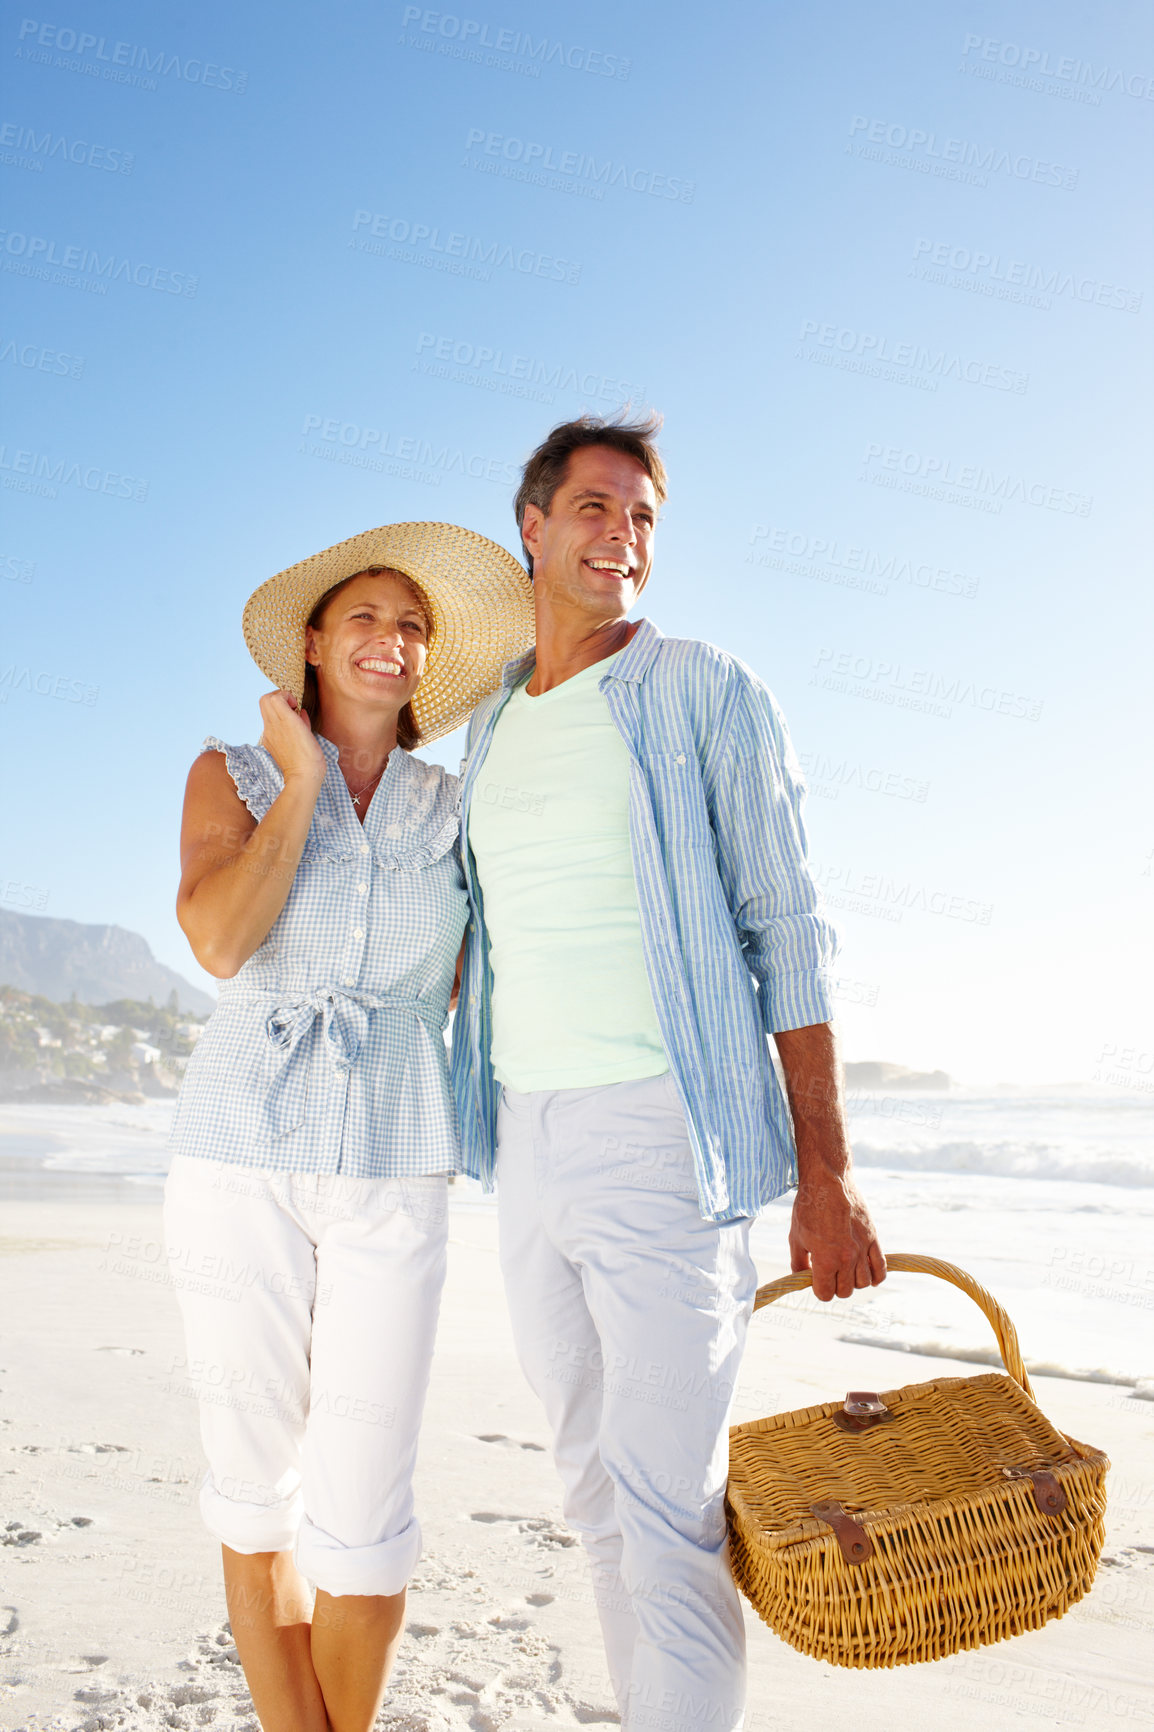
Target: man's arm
(831,1233)
(754,792)
(754,795)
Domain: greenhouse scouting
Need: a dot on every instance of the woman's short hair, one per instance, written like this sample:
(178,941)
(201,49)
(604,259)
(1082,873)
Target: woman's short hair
(408,733)
(544,470)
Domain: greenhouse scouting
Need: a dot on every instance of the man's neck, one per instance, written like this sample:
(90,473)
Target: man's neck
(567,646)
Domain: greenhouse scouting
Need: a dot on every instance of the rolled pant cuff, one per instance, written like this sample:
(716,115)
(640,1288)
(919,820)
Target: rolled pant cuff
(250,1527)
(381,1569)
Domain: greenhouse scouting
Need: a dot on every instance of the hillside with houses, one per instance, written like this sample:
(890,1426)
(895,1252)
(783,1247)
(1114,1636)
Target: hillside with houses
(75,1053)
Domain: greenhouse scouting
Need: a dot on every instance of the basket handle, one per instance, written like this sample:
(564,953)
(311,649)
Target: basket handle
(911,1263)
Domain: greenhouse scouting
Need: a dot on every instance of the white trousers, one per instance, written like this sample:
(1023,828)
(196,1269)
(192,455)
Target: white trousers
(310,1307)
(630,1312)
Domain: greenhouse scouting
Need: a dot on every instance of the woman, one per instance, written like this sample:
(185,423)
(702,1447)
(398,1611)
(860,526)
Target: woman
(306,1202)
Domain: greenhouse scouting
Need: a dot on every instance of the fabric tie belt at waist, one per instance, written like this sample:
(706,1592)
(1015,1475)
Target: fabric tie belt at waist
(344,1025)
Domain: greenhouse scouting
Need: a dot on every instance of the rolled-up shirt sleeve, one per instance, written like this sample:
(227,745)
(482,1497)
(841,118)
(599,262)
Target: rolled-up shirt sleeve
(755,793)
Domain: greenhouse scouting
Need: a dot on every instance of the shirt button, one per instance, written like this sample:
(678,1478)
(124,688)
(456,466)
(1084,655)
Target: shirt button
(364,847)
(358,932)
(349,980)
(361,888)
(681,757)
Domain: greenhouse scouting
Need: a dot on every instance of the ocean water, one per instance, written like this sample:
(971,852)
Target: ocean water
(1046,1197)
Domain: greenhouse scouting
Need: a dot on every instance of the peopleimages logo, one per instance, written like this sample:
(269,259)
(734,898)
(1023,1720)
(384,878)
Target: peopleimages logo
(906,688)
(851,564)
(995,275)
(42,684)
(379,450)
(37,256)
(468,35)
(886,898)
(1038,62)
(119,61)
(876,353)
(954,158)
(37,472)
(831,775)
(498,153)
(936,475)
(495,369)
(54,147)
(41,360)
(459,254)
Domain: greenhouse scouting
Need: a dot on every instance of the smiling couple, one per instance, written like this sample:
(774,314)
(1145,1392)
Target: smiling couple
(619,881)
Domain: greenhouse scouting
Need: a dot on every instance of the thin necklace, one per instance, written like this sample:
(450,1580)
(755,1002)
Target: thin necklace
(356,798)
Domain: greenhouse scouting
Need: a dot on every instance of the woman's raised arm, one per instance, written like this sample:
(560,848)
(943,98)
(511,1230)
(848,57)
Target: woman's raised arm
(235,873)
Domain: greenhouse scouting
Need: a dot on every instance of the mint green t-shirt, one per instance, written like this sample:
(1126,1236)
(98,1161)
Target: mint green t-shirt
(549,831)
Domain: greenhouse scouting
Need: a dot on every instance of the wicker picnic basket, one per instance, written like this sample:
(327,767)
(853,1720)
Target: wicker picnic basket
(906,1526)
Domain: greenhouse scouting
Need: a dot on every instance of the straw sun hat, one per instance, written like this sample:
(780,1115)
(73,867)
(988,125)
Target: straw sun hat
(480,598)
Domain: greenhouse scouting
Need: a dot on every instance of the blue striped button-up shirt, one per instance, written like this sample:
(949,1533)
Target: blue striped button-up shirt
(736,945)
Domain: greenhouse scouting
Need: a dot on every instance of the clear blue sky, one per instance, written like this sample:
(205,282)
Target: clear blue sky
(883,269)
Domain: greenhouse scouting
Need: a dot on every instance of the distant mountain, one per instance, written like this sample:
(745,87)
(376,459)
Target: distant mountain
(56,958)
(877,1074)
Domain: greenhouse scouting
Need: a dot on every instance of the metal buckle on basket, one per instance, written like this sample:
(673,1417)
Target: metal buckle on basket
(862,1410)
(1049,1492)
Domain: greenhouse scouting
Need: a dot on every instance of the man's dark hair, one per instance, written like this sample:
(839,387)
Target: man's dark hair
(545,469)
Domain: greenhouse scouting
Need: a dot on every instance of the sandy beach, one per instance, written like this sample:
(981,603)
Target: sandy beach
(113,1608)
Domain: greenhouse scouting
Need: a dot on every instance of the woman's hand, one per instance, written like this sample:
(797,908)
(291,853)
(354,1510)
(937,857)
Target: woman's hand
(289,737)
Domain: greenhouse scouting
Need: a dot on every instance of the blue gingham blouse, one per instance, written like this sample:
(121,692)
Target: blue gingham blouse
(326,1052)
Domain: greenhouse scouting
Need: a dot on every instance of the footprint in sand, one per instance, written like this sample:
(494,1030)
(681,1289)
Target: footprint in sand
(538,1530)
(512,1442)
(16,1534)
(541,1531)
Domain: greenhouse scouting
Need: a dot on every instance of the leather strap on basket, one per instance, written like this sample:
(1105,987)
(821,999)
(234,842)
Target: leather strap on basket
(1049,1492)
(863,1410)
(853,1541)
(911,1263)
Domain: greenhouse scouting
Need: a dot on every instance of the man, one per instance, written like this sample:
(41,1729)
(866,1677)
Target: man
(642,918)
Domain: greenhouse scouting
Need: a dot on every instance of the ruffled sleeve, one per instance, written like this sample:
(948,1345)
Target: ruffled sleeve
(253,770)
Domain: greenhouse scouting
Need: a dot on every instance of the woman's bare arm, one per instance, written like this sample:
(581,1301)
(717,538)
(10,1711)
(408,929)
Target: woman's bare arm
(456,992)
(235,873)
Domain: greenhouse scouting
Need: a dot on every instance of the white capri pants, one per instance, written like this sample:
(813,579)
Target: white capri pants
(310,1307)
